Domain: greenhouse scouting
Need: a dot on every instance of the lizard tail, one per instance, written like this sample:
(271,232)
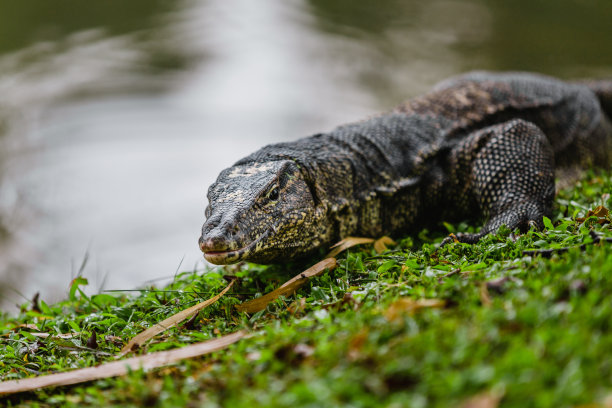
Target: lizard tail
(603,90)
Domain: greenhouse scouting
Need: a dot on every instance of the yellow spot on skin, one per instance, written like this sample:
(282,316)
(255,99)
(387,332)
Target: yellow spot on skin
(237,195)
(251,170)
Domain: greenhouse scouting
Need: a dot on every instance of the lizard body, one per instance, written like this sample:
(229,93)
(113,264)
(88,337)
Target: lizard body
(478,144)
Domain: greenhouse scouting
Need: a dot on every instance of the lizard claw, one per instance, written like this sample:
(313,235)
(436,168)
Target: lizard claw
(463,238)
(451,238)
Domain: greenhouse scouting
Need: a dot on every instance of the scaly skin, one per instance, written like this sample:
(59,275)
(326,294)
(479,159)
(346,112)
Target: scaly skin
(479,144)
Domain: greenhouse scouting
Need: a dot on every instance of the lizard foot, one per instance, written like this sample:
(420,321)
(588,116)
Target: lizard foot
(463,238)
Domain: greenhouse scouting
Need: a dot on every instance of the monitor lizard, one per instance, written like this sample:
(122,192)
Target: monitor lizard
(478,145)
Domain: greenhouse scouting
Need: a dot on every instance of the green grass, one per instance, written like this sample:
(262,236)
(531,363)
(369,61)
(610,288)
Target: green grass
(535,331)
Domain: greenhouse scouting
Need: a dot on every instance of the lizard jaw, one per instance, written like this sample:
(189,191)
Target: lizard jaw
(231,256)
(222,258)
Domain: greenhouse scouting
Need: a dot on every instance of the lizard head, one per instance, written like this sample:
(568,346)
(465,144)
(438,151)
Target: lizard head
(259,212)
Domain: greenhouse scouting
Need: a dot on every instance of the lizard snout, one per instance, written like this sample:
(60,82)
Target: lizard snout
(219,244)
(217,237)
(208,244)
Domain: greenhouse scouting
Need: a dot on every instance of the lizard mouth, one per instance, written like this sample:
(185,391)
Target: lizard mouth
(225,257)
(235,255)
(222,257)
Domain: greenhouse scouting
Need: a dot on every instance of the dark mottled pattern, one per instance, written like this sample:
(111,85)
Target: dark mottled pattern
(481,144)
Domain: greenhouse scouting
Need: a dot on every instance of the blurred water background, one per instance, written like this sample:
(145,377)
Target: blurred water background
(115,116)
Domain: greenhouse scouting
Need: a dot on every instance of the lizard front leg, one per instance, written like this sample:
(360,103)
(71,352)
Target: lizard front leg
(510,176)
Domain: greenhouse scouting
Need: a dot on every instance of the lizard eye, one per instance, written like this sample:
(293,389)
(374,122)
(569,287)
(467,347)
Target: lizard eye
(273,193)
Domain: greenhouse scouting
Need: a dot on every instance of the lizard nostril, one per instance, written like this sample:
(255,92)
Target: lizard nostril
(201,244)
(211,224)
(209,227)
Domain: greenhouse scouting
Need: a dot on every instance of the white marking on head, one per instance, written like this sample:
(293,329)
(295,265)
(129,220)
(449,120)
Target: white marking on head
(238,195)
(250,170)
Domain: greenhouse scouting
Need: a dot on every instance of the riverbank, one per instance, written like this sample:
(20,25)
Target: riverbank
(415,326)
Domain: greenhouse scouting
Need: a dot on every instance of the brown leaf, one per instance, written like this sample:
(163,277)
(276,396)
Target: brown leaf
(347,243)
(116,368)
(408,305)
(287,288)
(600,212)
(172,321)
(381,244)
(92,341)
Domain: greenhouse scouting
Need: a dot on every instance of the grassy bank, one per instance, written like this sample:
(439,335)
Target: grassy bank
(414,326)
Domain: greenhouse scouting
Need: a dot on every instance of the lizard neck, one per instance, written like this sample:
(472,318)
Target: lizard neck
(379,214)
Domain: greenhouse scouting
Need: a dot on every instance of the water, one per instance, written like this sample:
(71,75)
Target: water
(115,118)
